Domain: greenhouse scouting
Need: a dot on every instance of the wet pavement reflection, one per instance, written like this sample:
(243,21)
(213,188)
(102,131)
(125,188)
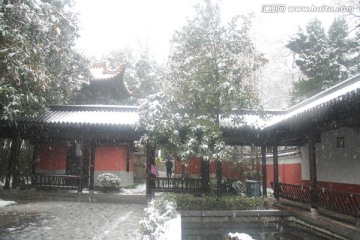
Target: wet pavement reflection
(71,220)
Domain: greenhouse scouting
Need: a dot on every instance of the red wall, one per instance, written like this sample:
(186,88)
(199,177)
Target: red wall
(229,170)
(52,157)
(193,166)
(288,173)
(107,158)
(112,158)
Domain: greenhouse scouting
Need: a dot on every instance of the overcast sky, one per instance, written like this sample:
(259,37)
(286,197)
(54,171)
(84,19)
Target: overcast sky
(116,24)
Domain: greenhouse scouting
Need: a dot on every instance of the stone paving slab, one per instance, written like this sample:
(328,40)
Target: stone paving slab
(73,220)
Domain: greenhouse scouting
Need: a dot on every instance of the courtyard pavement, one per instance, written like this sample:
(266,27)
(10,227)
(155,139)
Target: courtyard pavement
(72,220)
(47,215)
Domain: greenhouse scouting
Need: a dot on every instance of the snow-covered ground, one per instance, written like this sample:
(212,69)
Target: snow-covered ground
(173,227)
(239,236)
(138,190)
(4,203)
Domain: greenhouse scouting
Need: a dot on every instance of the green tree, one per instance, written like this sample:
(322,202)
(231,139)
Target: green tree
(39,65)
(325,59)
(211,73)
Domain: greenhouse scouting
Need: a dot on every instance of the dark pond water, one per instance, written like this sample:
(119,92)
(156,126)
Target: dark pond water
(275,232)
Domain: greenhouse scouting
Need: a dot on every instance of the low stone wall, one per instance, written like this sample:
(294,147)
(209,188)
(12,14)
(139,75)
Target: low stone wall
(195,223)
(208,218)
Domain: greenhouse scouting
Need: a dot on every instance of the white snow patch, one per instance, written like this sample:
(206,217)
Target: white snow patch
(102,74)
(94,117)
(138,190)
(4,203)
(173,227)
(240,236)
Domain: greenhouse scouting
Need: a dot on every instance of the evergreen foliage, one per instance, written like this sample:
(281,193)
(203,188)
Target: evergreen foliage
(324,58)
(38,63)
(210,73)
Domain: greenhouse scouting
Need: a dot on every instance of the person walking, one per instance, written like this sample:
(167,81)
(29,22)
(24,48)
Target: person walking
(169,166)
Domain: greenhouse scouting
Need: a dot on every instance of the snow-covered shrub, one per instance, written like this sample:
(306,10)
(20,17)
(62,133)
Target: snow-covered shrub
(158,212)
(239,188)
(233,187)
(109,181)
(239,236)
(270,192)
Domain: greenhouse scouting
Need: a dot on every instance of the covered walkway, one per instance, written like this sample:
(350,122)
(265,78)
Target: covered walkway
(302,125)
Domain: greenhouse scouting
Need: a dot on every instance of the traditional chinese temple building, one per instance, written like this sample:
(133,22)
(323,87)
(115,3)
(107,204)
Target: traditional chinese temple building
(73,144)
(321,171)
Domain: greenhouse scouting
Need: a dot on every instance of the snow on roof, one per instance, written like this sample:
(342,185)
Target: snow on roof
(337,93)
(101,72)
(88,115)
(250,120)
(128,116)
(93,118)
(270,118)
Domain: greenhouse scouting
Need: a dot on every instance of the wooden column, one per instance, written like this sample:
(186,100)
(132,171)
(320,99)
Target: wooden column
(128,158)
(205,175)
(34,161)
(313,174)
(35,158)
(9,171)
(13,164)
(150,159)
(92,165)
(276,173)
(79,156)
(219,177)
(263,164)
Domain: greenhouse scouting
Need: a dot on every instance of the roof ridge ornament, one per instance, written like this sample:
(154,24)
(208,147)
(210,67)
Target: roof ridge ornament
(103,71)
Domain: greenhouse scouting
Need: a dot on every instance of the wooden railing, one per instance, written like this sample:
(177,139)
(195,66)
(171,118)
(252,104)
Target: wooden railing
(343,202)
(295,192)
(161,184)
(55,180)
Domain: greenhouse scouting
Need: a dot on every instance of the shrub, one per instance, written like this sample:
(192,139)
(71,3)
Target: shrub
(159,211)
(109,181)
(190,202)
(233,187)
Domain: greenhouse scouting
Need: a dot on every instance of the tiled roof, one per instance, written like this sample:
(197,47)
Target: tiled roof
(105,115)
(337,94)
(328,98)
(86,115)
(250,119)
